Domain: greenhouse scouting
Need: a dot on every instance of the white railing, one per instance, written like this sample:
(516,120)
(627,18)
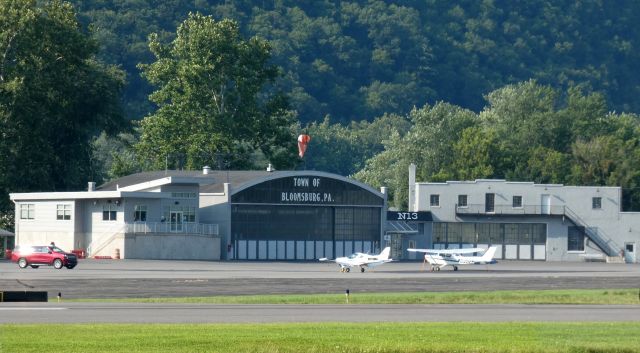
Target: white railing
(94,247)
(166,227)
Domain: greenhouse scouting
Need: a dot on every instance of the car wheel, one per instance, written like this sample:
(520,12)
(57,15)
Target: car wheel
(35,266)
(22,262)
(57,263)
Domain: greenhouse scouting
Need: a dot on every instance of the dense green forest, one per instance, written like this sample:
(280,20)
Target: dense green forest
(356,60)
(537,90)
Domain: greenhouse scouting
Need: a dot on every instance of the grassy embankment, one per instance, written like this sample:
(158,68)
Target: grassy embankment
(569,296)
(323,337)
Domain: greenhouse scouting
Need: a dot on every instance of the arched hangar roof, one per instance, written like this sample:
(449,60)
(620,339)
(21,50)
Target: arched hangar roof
(214,181)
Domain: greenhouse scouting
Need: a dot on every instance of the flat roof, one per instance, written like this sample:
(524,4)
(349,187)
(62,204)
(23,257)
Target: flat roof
(209,183)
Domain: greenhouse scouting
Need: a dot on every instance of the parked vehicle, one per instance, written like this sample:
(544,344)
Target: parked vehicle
(47,255)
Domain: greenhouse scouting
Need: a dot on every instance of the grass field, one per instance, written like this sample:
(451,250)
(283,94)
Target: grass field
(326,337)
(573,296)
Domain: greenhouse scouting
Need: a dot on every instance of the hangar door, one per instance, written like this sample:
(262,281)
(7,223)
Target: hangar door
(271,222)
(514,241)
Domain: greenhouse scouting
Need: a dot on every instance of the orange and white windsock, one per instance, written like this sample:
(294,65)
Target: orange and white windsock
(303,141)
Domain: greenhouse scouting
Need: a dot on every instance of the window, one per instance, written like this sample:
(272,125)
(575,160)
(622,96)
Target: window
(188,213)
(596,203)
(63,212)
(109,212)
(575,239)
(183,195)
(140,213)
(517,202)
(28,211)
(462,200)
(434,200)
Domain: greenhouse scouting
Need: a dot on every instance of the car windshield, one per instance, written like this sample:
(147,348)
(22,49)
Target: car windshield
(57,249)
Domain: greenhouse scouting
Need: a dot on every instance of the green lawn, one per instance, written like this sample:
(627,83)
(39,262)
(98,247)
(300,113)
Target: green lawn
(571,296)
(325,337)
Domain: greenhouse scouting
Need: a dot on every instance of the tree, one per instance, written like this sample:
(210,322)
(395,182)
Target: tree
(115,155)
(474,154)
(213,100)
(343,149)
(54,96)
(429,144)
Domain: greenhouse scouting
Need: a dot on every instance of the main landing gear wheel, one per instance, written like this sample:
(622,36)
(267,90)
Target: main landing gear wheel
(347,269)
(455,268)
(437,269)
(361,269)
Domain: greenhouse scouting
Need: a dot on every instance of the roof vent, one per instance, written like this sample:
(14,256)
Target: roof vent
(206,169)
(91,186)
(270,168)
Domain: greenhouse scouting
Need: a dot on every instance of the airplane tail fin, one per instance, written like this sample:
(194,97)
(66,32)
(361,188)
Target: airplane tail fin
(488,255)
(384,255)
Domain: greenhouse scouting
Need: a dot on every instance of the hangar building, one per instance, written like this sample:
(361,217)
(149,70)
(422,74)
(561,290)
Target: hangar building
(209,215)
(526,221)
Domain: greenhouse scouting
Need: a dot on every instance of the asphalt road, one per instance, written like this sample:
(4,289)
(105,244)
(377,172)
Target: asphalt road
(212,313)
(150,278)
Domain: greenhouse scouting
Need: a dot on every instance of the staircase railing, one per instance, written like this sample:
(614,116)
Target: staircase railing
(604,242)
(167,227)
(92,249)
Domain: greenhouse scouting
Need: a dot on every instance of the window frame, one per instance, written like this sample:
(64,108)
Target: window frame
(109,212)
(466,201)
(436,198)
(513,201)
(27,211)
(571,233)
(63,212)
(596,205)
(140,213)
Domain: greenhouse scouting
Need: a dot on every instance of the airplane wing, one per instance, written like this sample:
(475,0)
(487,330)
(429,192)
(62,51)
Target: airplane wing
(448,251)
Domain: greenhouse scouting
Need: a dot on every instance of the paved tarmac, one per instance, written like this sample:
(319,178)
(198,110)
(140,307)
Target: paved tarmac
(146,278)
(154,278)
(216,313)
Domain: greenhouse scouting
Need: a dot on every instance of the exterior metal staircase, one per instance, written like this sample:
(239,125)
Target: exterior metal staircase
(596,235)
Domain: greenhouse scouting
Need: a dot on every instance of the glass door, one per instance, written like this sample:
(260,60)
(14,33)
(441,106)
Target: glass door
(396,247)
(630,252)
(489,203)
(175,221)
(545,204)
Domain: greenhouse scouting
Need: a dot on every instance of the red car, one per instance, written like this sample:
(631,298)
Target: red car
(48,255)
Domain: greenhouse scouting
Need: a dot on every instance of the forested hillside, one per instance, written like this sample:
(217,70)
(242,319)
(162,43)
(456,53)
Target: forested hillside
(356,60)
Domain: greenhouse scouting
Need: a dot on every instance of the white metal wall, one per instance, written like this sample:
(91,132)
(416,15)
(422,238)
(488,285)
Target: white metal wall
(297,250)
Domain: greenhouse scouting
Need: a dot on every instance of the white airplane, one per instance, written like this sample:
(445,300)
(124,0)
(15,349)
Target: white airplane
(440,258)
(361,260)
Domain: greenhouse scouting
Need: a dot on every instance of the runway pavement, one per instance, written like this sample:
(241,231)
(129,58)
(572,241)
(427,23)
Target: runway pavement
(154,278)
(149,278)
(211,313)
